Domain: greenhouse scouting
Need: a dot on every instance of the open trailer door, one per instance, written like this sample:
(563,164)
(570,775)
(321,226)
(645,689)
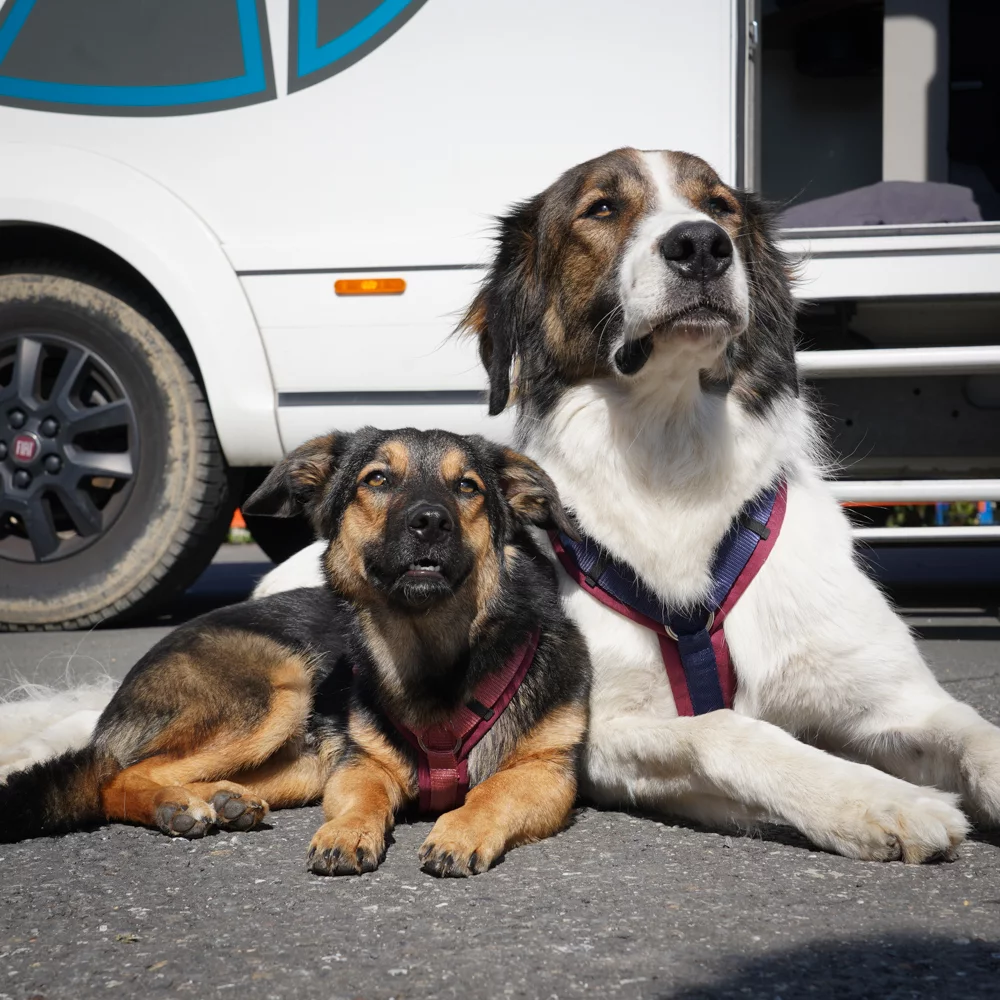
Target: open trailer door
(872,140)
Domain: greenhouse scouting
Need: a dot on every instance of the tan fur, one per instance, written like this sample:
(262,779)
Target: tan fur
(400,773)
(224,684)
(342,568)
(360,803)
(216,731)
(522,477)
(363,524)
(230,751)
(487,585)
(584,251)
(485,577)
(475,319)
(315,461)
(452,465)
(528,799)
(697,182)
(557,734)
(394,639)
(397,457)
(184,759)
(134,797)
(290,778)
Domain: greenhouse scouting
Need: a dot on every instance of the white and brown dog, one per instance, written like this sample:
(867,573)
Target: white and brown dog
(641,314)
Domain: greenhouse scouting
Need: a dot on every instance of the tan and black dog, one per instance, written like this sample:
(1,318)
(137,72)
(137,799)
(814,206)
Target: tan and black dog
(435,590)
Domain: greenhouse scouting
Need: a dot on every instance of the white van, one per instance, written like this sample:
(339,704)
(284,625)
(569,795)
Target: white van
(226,225)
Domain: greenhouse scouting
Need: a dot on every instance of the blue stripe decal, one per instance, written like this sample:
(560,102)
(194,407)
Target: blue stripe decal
(14,23)
(313,57)
(253,80)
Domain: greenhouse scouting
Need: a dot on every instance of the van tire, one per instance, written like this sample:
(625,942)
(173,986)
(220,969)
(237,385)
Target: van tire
(164,518)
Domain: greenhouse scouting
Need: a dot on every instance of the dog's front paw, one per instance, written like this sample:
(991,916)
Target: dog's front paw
(459,846)
(886,819)
(346,848)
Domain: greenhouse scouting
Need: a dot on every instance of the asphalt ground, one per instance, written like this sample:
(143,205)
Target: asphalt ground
(618,905)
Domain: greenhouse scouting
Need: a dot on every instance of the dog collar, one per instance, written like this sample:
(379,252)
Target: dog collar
(692,643)
(443,749)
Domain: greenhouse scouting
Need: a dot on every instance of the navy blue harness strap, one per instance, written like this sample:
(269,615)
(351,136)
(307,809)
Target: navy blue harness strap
(692,628)
(701,671)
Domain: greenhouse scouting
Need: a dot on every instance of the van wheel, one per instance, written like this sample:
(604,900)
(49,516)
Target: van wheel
(114,493)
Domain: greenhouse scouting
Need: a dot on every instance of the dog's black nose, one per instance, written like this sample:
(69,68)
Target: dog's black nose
(428,521)
(699,250)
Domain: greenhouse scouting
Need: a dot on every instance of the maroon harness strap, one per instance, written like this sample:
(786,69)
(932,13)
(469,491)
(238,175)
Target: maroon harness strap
(443,749)
(667,640)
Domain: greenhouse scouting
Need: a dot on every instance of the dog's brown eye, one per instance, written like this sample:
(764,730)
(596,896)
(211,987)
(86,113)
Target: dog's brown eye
(376,479)
(718,206)
(467,486)
(603,208)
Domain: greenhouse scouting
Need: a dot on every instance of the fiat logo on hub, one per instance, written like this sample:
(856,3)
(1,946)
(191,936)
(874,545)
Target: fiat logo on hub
(25,448)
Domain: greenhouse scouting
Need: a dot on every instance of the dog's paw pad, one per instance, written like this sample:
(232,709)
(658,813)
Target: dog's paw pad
(236,811)
(190,821)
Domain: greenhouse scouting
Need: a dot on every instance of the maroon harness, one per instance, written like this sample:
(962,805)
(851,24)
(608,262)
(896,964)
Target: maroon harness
(443,749)
(693,644)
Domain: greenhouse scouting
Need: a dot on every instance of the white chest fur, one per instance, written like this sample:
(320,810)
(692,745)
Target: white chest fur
(660,484)
(659,491)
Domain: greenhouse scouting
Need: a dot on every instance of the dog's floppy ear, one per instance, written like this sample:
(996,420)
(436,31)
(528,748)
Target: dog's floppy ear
(509,301)
(531,493)
(295,484)
(762,361)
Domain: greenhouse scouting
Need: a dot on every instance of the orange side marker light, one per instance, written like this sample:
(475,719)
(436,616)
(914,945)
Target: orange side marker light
(369,286)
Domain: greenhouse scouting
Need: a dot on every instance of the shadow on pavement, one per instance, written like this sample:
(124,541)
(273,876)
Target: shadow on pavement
(227,580)
(991,837)
(958,631)
(770,833)
(933,565)
(943,576)
(904,965)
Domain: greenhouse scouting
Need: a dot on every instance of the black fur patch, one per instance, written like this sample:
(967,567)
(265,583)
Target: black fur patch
(762,361)
(54,796)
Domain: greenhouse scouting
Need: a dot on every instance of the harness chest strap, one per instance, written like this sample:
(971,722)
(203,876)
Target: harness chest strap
(443,749)
(693,645)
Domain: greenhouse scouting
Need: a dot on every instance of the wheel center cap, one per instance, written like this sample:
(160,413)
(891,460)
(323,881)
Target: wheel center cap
(24,448)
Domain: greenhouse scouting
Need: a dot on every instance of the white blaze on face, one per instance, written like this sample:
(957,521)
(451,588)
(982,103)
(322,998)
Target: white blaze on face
(651,291)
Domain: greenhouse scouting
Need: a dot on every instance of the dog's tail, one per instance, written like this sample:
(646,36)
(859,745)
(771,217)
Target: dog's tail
(56,795)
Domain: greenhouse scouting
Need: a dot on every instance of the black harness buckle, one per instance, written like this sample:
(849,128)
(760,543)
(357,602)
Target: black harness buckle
(762,531)
(594,574)
(480,709)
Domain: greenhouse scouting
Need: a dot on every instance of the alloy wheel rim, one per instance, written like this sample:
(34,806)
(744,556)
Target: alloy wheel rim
(69,447)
